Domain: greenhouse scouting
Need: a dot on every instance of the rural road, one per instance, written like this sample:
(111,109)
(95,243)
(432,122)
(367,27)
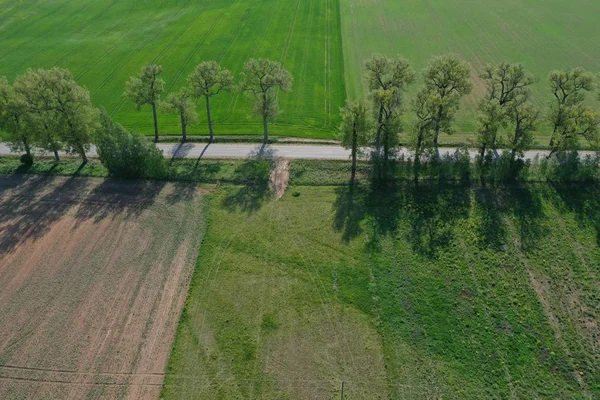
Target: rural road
(287,151)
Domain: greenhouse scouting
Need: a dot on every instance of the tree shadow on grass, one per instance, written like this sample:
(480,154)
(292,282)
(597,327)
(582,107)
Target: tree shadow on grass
(253,175)
(431,211)
(583,200)
(428,211)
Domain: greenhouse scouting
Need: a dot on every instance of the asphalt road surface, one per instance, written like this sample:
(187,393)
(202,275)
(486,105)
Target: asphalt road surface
(288,151)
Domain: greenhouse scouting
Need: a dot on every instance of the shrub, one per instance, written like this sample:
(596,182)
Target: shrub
(26,159)
(569,167)
(126,155)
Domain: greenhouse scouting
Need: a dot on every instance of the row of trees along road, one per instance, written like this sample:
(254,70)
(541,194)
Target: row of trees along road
(49,110)
(261,79)
(507,119)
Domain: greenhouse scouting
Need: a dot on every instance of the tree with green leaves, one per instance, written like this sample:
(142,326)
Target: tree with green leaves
(570,117)
(14,115)
(146,89)
(524,117)
(506,83)
(263,80)
(446,81)
(354,131)
(181,103)
(60,107)
(207,80)
(388,80)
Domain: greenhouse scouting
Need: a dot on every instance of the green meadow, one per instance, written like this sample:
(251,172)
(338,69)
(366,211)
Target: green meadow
(103,42)
(437,291)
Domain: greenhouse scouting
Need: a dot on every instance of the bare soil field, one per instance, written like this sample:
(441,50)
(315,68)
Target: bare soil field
(93,276)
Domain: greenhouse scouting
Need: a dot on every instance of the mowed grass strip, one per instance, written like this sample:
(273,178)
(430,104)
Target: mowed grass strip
(438,291)
(543,35)
(105,41)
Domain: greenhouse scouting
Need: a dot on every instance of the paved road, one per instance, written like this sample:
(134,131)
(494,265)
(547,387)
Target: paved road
(289,151)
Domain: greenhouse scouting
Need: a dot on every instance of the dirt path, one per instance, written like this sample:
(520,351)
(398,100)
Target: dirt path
(280,177)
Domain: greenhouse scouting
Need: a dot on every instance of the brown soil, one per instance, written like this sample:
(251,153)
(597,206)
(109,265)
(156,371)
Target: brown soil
(93,276)
(280,177)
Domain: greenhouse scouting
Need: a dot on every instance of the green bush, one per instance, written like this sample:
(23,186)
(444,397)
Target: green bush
(126,155)
(570,167)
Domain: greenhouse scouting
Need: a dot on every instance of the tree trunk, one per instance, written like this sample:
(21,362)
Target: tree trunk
(26,145)
(155,123)
(83,155)
(210,127)
(482,154)
(56,157)
(265,128)
(437,132)
(183,128)
(354,152)
(417,163)
(386,149)
(265,131)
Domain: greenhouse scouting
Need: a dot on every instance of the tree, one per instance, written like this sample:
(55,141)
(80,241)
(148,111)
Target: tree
(126,155)
(524,117)
(61,109)
(506,83)
(146,88)
(354,130)
(388,80)
(181,103)
(13,118)
(570,118)
(207,80)
(262,80)
(446,81)
(422,129)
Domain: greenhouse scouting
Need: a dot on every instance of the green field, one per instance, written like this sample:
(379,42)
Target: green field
(105,41)
(323,42)
(542,34)
(440,291)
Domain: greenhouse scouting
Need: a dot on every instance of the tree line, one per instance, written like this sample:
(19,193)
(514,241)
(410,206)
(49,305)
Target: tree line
(47,109)
(507,116)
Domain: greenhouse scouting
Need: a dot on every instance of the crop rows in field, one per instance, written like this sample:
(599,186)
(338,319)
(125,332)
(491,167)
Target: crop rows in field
(105,42)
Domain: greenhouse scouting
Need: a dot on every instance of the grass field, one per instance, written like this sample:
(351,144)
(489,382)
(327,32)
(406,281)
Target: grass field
(543,35)
(432,292)
(105,41)
(93,277)
(323,42)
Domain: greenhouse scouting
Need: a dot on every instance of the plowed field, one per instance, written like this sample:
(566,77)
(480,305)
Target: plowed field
(93,276)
